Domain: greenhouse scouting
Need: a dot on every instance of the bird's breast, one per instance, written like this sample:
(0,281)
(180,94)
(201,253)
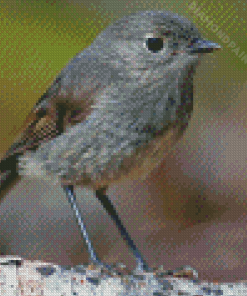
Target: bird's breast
(140,163)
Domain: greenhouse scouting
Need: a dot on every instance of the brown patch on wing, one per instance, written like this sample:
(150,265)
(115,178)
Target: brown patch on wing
(77,111)
(40,126)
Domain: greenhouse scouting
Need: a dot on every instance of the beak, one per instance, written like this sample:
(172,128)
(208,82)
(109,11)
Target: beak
(204,46)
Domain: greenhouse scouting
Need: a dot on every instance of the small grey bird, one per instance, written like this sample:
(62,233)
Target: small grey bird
(113,112)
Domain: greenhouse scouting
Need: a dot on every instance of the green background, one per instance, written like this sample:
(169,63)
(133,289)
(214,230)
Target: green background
(38,38)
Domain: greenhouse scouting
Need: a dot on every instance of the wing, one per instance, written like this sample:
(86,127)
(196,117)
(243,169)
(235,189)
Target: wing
(49,118)
(68,101)
(44,122)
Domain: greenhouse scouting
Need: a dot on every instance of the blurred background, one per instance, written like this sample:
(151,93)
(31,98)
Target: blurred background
(192,208)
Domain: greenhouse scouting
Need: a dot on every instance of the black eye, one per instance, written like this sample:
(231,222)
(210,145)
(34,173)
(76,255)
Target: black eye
(154,44)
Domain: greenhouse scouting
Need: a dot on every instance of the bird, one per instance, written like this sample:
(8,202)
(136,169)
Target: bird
(113,112)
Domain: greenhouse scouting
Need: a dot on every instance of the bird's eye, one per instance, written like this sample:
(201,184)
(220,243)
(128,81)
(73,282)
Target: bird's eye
(154,44)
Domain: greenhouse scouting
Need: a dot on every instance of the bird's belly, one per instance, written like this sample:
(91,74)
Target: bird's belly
(140,163)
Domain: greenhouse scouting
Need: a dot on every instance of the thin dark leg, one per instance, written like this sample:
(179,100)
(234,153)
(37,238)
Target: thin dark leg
(141,264)
(72,200)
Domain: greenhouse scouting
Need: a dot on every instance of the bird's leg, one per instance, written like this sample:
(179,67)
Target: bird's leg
(72,200)
(141,264)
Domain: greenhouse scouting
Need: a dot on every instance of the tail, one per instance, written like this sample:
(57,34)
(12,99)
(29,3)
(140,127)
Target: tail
(9,162)
(8,174)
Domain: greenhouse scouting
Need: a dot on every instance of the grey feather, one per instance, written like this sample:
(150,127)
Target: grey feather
(135,94)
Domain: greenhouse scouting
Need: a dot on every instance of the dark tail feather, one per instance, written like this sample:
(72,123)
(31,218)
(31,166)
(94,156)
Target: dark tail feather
(8,173)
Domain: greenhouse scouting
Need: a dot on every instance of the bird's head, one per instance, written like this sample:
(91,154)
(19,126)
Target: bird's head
(152,39)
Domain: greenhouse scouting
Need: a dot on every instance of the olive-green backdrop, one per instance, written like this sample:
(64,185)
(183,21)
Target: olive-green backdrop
(38,38)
